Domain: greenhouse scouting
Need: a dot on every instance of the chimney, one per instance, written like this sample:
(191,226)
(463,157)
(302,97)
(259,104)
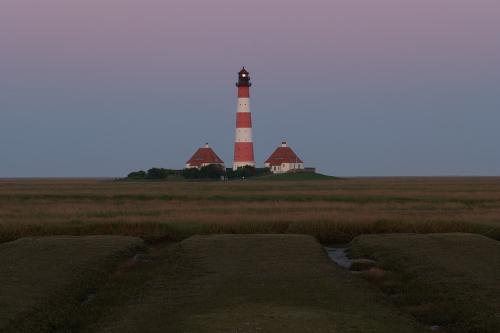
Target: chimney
(206,145)
(283,144)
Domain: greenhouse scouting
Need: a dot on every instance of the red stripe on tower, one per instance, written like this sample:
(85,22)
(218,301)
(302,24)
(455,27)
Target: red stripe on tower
(243,92)
(243,120)
(243,144)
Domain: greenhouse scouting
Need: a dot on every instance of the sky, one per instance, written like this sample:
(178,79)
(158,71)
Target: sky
(356,87)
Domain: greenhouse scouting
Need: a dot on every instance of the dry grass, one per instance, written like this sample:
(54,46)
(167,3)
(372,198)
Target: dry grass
(332,210)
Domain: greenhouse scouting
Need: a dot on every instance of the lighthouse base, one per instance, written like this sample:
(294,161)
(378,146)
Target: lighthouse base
(237,165)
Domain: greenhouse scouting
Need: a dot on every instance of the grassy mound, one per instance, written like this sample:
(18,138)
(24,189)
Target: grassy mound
(251,283)
(43,280)
(450,280)
(296,176)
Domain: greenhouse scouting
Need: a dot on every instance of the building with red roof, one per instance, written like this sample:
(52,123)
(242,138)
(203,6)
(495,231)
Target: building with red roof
(284,160)
(204,156)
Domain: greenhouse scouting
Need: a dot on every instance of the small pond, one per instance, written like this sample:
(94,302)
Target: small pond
(339,256)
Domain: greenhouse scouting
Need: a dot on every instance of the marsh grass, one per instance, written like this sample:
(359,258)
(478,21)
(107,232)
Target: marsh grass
(450,280)
(331,210)
(45,280)
(242,283)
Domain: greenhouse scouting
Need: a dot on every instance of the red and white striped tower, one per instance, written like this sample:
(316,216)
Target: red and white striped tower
(243,143)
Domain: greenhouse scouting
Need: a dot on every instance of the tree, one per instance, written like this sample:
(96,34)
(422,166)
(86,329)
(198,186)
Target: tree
(137,175)
(212,171)
(156,173)
(191,173)
(247,171)
(230,173)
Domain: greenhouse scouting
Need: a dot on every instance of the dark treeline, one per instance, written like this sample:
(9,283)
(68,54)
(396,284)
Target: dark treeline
(212,171)
(247,172)
(154,173)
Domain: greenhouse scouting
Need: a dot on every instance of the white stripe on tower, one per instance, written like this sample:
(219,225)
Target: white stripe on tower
(243,143)
(244,135)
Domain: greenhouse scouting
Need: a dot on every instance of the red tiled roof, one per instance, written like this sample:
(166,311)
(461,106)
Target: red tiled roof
(204,156)
(283,155)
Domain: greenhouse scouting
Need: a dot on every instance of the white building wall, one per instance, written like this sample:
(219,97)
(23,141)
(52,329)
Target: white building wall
(189,166)
(285,167)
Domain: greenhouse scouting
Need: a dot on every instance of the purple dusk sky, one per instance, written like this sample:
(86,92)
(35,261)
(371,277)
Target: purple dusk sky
(357,87)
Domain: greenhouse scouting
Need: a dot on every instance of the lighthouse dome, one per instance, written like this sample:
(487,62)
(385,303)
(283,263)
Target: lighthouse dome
(243,71)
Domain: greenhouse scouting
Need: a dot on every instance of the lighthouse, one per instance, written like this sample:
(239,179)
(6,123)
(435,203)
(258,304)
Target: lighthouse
(243,143)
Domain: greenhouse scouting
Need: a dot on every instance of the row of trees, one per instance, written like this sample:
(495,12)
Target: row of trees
(247,172)
(154,173)
(212,171)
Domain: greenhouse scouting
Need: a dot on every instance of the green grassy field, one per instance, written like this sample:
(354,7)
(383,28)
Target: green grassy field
(450,280)
(43,281)
(238,283)
(270,283)
(299,176)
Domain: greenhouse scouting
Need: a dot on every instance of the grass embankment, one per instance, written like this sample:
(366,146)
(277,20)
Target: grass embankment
(295,176)
(331,210)
(45,280)
(247,283)
(450,280)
